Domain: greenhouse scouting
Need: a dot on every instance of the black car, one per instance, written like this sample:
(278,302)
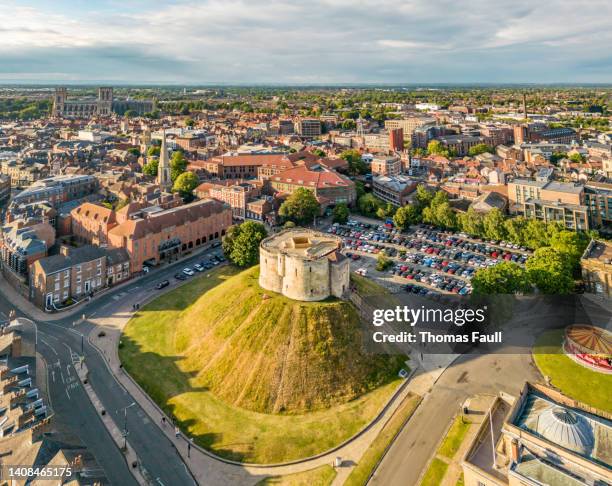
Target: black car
(180,276)
(162,284)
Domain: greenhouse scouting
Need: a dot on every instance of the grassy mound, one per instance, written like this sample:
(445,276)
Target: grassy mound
(252,375)
(270,354)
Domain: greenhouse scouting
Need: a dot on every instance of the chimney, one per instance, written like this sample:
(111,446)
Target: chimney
(64,250)
(514,450)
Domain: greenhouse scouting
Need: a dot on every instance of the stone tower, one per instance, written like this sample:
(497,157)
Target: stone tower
(163,170)
(59,101)
(105,101)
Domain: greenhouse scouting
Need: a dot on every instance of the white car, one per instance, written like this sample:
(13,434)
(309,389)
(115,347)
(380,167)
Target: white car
(198,267)
(189,272)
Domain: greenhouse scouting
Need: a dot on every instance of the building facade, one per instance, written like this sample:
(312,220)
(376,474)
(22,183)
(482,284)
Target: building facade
(596,263)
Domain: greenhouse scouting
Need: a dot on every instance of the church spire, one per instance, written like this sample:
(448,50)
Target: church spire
(163,169)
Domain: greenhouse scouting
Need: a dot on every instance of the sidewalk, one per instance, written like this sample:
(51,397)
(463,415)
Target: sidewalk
(205,467)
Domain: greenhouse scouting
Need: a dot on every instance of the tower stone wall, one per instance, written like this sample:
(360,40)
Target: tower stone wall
(304,265)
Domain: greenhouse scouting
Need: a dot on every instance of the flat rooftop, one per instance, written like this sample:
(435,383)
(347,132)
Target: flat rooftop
(302,243)
(599,250)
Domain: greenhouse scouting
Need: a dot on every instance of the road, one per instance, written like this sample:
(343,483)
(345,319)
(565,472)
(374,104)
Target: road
(61,343)
(469,375)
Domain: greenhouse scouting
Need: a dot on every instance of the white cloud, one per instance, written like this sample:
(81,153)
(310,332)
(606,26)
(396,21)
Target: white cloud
(328,40)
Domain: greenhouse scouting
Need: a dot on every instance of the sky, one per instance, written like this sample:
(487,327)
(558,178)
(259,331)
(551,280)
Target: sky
(306,42)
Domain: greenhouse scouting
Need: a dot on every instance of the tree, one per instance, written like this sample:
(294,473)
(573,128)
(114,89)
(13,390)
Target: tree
(348,124)
(150,168)
(556,157)
(134,151)
(241,243)
(340,213)
(189,122)
(503,278)
(405,216)
(289,224)
(178,165)
(423,196)
(493,224)
(383,262)
(471,222)
(577,158)
(130,114)
(386,211)
(301,207)
(185,184)
(435,147)
(478,149)
(571,245)
(355,162)
(318,152)
(359,189)
(368,204)
(549,271)
(153,151)
(515,229)
(535,234)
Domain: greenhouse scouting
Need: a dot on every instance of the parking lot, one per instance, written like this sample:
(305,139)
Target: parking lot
(425,259)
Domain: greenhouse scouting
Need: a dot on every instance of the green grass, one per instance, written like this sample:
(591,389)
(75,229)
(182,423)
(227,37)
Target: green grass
(435,473)
(372,456)
(451,443)
(460,481)
(256,379)
(320,476)
(372,292)
(572,379)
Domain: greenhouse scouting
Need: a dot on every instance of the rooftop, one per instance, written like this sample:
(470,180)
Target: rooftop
(598,250)
(302,243)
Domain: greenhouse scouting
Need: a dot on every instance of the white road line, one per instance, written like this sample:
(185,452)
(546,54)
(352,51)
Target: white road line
(48,345)
(62,377)
(68,394)
(53,376)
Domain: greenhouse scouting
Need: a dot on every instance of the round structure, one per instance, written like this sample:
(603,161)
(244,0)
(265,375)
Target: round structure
(303,264)
(590,346)
(567,429)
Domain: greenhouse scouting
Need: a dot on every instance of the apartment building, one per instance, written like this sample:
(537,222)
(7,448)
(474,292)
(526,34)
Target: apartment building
(5,188)
(550,201)
(598,199)
(391,140)
(20,173)
(386,166)
(73,274)
(393,189)
(56,190)
(22,244)
(409,124)
(154,235)
(329,186)
(91,223)
(245,166)
(542,437)
(308,127)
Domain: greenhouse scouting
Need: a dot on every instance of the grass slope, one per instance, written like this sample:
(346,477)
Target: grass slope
(572,379)
(252,378)
(320,476)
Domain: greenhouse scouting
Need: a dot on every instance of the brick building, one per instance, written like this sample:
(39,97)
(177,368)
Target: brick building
(91,223)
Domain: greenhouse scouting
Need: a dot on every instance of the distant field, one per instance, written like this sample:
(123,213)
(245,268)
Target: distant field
(256,378)
(572,379)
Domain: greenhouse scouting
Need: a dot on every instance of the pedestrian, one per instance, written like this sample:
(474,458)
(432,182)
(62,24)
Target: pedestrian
(188,449)
(177,432)
(164,421)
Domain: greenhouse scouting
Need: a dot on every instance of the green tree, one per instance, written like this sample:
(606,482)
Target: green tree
(153,151)
(348,124)
(356,164)
(493,224)
(150,168)
(503,278)
(471,222)
(368,204)
(406,216)
(340,213)
(383,262)
(189,122)
(577,158)
(515,229)
(423,196)
(549,271)
(359,189)
(134,151)
(241,243)
(535,234)
(556,157)
(178,165)
(478,149)
(185,184)
(435,147)
(301,207)
(318,152)
(130,114)
(386,211)
(289,224)
(571,245)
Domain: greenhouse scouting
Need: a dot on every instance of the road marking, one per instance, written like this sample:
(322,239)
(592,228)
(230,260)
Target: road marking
(48,345)
(68,394)
(53,375)
(62,377)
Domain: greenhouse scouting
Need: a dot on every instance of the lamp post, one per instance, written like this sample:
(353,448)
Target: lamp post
(125,430)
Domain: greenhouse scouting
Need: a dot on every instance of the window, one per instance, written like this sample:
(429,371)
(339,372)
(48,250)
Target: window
(99,282)
(78,268)
(67,274)
(66,283)
(78,289)
(65,295)
(57,285)
(99,272)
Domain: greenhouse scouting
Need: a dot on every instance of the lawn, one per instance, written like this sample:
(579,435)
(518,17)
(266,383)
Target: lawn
(372,456)
(435,473)
(320,476)
(572,379)
(454,438)
(260,387)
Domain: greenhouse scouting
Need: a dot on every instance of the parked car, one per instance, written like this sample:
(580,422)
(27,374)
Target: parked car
(180,276)
(162,284)
(189,272)
(198,267)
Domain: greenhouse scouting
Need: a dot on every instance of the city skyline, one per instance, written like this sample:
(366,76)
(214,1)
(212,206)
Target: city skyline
(325,42)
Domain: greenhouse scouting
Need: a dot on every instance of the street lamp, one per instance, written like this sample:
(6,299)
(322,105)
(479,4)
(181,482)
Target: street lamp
(125,430)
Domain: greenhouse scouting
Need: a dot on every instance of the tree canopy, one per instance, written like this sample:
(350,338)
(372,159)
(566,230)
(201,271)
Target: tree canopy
(150,168)
(356,164)
(178,165)
(241,243)
(340,213)
(503,278)
(185,184)
(301,207)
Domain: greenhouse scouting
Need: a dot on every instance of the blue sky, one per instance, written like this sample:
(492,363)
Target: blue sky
(303,42)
